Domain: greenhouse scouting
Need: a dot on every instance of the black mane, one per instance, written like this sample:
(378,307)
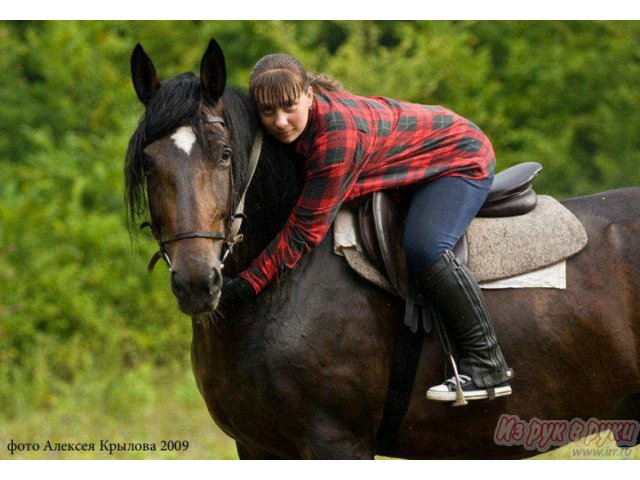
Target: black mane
(277,180)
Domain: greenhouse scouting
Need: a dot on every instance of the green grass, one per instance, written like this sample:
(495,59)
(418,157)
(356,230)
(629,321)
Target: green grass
(589,449)
(142,406)
(147,404)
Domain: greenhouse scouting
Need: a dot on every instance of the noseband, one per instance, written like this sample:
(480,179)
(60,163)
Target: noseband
(230,236)
(162,252)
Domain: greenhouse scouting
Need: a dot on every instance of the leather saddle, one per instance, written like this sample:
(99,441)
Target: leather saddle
(381,221)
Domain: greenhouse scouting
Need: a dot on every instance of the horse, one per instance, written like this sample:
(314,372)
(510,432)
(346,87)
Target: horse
(302,371)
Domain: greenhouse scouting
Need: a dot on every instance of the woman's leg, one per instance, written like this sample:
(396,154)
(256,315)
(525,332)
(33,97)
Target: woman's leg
(439,214)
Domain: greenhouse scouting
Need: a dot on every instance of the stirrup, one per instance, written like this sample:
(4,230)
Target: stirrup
(451,388)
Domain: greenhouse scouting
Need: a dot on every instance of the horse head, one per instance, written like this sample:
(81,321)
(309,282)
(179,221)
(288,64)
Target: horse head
(179,165)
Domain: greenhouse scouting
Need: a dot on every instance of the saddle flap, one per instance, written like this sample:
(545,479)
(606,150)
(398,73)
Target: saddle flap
(389,226)
(367,229)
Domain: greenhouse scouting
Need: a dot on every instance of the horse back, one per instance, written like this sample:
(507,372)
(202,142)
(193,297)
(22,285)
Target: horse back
(612,222)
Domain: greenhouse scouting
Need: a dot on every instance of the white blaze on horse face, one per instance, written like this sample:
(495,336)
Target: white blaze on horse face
(184,138)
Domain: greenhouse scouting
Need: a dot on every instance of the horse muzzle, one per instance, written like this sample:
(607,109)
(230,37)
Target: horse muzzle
(197,293)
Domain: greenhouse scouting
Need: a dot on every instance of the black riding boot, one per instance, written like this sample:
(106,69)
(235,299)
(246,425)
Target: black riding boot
(482,368)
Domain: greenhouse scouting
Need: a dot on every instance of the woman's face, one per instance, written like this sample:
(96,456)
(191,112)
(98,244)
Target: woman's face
(288,122)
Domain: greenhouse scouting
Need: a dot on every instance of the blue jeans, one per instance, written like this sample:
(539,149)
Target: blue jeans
(440,212)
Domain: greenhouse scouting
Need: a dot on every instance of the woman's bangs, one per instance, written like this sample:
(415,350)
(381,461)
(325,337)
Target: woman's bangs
(276,89)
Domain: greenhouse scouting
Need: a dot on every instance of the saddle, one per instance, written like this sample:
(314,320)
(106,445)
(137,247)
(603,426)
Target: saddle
(381,222)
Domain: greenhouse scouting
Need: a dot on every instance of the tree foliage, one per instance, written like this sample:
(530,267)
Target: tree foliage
(74,293)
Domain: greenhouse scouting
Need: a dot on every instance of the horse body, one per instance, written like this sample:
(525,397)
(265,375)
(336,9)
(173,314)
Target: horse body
(303,370)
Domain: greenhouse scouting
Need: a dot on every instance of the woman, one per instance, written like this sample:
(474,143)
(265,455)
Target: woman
(356,145)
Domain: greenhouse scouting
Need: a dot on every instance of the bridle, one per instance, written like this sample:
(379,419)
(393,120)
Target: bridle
(233,223)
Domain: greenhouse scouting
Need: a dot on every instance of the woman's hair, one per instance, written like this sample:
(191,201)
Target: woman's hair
(279,79)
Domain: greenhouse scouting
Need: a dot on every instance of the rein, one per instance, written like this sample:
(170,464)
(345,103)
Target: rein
(234,221)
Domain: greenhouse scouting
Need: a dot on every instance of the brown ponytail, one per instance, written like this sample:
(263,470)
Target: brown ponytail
(327,82)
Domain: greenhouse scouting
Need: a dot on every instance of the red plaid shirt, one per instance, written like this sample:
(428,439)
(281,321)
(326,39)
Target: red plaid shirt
(357,145)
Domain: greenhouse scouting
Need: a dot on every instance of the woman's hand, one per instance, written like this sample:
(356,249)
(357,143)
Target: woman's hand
(235,291)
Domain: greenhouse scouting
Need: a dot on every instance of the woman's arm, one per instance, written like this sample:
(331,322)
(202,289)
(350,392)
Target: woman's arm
(329,177)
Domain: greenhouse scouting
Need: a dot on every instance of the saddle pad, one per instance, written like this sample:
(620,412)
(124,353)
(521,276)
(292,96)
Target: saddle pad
(553,276)
(523,251)
(504,247)
(346,243)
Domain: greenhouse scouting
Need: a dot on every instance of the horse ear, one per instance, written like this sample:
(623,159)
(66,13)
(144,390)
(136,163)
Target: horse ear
(213,73)
(143,74)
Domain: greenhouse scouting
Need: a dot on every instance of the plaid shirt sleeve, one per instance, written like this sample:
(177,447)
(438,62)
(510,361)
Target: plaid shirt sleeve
(328,179)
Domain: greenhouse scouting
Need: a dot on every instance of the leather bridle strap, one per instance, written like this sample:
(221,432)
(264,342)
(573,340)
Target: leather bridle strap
(162,253)
(183,235)
(214,119)
(238,216)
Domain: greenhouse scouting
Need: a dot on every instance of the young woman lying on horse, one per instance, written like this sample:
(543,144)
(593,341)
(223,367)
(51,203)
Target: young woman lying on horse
(354,145)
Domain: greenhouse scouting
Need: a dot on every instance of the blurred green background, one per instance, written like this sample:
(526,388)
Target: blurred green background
(91,346)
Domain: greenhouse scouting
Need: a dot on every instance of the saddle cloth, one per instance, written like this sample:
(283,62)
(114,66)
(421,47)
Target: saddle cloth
(508,252)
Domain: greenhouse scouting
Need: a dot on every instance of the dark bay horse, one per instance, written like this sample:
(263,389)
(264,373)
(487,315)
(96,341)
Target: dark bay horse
(303,370)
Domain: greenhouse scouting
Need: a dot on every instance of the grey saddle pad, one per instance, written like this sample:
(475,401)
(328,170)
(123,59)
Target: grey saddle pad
(498,247)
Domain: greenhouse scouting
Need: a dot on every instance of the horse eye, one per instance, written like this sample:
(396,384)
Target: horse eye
(226,154)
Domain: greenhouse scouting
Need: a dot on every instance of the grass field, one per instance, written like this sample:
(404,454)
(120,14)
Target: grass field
(160,407)
(146,406)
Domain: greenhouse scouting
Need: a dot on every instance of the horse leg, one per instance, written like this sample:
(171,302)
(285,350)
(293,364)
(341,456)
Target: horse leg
(247,453)
(329,441)
(350,450)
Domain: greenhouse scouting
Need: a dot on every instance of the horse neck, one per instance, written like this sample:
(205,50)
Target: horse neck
(270,198)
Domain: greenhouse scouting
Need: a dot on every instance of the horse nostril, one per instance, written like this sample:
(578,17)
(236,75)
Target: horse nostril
(177,284)
(216,278)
